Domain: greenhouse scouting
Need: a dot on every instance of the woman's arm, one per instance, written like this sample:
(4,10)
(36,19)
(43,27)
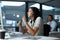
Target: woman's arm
(23,30)
(31,30)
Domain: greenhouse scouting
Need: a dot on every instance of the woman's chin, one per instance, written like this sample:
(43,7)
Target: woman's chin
(29,16)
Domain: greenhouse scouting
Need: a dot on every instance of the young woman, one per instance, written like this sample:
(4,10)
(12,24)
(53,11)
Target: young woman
(34,26)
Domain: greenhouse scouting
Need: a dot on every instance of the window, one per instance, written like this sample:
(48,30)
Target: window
(57,17)
(10,22)
(12,11)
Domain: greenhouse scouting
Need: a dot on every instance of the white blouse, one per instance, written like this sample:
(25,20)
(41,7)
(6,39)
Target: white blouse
(38,23)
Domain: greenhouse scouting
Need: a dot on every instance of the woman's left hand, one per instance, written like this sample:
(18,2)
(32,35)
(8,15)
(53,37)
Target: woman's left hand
(24,19)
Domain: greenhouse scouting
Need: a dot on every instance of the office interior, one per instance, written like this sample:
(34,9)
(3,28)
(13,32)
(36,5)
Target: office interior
(12,11)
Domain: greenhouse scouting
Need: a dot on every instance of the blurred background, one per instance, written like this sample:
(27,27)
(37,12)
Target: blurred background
(12,11)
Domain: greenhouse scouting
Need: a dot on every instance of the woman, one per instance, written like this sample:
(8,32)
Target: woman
(34,26)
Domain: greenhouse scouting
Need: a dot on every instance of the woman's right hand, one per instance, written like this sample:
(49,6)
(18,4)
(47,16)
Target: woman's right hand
(21,29)
(19,23)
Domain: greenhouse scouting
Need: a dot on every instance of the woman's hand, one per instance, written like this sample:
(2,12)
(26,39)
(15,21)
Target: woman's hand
(19,23)
(24,20)
(21,29)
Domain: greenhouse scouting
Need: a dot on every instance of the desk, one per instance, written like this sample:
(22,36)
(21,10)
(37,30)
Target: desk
(36,38)
(54,34)
(27,37)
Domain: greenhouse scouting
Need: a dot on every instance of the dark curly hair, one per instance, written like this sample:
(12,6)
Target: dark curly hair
(36,12)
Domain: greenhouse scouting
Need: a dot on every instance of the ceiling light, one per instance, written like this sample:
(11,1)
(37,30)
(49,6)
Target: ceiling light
(10,3)
(17,16)
(44,7)
(36,5)
(3,17)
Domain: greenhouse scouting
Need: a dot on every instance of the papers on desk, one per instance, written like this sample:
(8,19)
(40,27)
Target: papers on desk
(2,30)
(36,38)
(13,34)
(20,36)
(7,35)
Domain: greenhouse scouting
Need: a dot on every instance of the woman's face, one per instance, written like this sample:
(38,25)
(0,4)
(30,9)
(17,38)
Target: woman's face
(30,13)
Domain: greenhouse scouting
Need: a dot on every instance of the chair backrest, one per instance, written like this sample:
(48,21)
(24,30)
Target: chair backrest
(47,29)
(56,29)
(56,25)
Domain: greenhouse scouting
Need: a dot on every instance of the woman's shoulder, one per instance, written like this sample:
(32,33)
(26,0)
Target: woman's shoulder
(38,18)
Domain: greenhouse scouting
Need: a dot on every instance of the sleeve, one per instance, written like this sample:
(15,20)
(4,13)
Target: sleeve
(38,22)
(53,26)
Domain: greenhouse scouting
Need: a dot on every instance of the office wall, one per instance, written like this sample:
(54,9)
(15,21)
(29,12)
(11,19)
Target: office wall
(11,14)
(45,14)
